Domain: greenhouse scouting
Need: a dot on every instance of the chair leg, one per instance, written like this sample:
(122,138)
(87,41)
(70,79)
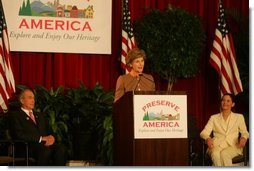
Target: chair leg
(204,153)
(13,154)
(27,155)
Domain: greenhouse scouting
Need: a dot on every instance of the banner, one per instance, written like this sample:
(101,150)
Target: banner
(76,26)
(160,116)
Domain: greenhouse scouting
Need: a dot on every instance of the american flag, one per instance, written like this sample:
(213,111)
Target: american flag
(7,83)
(128,40)
(223,58)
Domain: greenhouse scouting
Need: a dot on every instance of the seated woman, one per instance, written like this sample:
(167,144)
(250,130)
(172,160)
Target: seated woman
(225,126)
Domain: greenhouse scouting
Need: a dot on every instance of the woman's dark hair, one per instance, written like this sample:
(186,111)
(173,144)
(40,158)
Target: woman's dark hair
(230,95)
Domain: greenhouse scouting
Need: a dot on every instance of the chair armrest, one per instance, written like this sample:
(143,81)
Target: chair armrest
(19,142)
(5,142)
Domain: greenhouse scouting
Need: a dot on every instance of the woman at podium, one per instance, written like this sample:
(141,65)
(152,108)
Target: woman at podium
(135,80)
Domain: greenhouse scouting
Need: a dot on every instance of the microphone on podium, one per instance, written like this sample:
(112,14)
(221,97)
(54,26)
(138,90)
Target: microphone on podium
(149,79)
(139,78)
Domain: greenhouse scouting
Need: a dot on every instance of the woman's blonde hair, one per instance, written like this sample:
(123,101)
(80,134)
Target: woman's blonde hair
(134,54)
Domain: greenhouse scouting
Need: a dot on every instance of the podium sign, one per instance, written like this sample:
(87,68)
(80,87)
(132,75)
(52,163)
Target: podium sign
(150,129)
(160,116)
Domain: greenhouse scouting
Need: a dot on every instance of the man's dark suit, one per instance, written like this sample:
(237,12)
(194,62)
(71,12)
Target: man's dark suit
(22,127)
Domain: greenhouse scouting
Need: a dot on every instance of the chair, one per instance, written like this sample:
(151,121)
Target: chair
(242,158)
(5,160)
(9,156)
(236,160)
(15,152)
(5,157)
(5,145)
(193,155)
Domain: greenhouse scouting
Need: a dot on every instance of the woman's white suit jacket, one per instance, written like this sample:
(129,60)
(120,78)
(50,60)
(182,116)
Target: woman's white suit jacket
(225,134)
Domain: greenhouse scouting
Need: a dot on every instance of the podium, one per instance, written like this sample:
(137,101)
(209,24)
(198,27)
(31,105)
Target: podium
(131,151)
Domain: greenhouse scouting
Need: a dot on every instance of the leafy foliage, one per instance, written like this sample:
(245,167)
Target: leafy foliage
(93,114)
(173,41)
(53,104)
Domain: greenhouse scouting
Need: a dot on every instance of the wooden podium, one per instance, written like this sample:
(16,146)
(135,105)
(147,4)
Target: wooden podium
(129,151)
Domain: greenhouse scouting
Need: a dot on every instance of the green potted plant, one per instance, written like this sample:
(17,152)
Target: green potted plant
(173,41)
(91,123)
(54,104)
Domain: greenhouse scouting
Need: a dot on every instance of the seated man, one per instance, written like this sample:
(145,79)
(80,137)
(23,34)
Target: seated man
(30,126)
